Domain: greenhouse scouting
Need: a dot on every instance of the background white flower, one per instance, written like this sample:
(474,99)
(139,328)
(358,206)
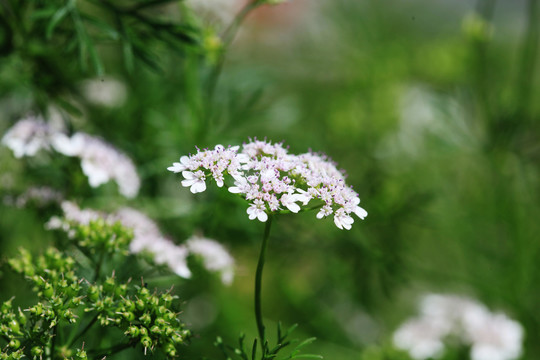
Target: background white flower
(100,161)
(28,136)
(491,336)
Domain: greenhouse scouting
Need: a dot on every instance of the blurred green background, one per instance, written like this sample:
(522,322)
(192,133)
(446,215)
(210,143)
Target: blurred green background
(431,107)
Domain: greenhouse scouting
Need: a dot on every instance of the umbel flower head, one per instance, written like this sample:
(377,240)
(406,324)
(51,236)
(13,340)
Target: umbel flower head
(148,238)
(273,181)
(28,136)
(100,161)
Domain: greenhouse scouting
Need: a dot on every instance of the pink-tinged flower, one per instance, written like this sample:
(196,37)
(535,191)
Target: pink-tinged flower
(270,179)
(324,212)
(257,210)
(241,186)
(194,180)
(185,164)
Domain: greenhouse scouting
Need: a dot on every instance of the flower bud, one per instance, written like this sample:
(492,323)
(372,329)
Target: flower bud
(14,344)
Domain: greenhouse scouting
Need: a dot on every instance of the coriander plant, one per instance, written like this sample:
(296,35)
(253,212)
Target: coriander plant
(273,182)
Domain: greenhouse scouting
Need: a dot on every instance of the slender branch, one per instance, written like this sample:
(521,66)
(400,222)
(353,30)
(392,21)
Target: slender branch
(112,350)
(258,282)
(227,37)
(98,265)
(53,345)
(83,331)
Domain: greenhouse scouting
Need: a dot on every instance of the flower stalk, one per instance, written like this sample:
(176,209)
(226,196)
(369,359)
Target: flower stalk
(258,281)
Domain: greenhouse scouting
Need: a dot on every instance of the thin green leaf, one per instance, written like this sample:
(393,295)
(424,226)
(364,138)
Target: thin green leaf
(151,3)
(127,51)
(56,19)
(307,356)
(306,342)
(254,349)
(290,330)
(102,26)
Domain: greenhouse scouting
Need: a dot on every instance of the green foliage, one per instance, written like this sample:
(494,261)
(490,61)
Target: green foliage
(265,352)
(453,197)
(72,309)
(53,42)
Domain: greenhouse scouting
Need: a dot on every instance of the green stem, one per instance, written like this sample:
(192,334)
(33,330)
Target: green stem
(227,37)
(112,350)
(258,282)
(83,331)
(98,265)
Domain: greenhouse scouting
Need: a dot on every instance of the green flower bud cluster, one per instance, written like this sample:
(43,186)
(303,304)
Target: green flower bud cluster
(53,279)
(99,235)
(69,304)
(143,316)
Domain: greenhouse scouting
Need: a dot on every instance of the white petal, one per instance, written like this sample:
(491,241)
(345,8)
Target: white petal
(337,221)
(293,207)
(188,175)
(198,186)
(176,168)
(262,216)
(360,212)
(188,183)
(96,175)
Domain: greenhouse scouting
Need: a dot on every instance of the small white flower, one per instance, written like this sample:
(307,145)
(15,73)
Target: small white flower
(241,186)
(343,220)
(184,164)
(288,200)
(257,210)
(324,212)
(194,180)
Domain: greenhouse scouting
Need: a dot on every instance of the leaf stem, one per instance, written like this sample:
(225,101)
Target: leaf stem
(258,282)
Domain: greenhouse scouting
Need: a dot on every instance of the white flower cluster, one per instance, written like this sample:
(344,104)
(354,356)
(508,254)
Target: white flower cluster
(491,336)
(272,180)
(100,161)
(28,136)
(148,238)
(40,196)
